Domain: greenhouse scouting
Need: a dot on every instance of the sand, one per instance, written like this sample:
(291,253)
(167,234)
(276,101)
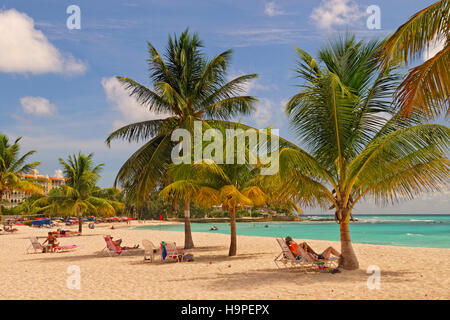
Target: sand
(406,273)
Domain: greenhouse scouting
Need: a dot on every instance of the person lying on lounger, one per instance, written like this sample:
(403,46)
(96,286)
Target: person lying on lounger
(325,255)
(118,243)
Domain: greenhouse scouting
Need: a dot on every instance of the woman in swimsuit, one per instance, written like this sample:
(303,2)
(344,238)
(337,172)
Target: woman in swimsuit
(52,241)
(325,255)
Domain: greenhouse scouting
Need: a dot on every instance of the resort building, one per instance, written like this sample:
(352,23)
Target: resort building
(15,198)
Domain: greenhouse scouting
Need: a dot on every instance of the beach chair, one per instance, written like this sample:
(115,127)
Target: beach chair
(36,245)
(286,258)
(114,250)
(149,250)
(172,251)
(321,265)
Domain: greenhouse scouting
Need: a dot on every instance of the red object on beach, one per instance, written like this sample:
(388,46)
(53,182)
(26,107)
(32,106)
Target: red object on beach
(160,216)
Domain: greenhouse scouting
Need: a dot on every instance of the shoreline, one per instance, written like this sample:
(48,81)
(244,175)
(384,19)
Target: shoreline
(272,236)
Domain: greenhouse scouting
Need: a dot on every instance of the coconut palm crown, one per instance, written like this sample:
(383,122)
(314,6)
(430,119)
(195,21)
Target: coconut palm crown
(186,87)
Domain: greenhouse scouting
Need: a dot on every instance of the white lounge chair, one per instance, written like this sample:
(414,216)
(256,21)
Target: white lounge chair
(332,262)
(149,250)
(287,257)
(172,251)
(36,245)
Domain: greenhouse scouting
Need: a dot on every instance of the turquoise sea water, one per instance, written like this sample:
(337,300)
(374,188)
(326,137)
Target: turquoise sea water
(412,231)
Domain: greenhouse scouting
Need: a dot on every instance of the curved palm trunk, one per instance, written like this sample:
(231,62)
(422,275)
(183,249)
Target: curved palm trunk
(188,243)
(233,244)
(80,220)
(348,260)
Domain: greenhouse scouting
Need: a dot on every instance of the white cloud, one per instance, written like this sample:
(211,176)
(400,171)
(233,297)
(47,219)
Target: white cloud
(58,174)
(264,113)
(435,46)
(27,50)
(272,9)
(336,13)
(38,106)
(129,109)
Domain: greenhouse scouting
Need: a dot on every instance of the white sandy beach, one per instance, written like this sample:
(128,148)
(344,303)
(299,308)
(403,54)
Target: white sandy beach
(406,273)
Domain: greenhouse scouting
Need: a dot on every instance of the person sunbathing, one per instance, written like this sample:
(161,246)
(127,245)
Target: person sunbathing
(51,240)
(118,243)
(9,229)
(63,233)
(325,255)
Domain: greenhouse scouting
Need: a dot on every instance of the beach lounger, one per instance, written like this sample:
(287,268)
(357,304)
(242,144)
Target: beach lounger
(149,250)
(171,251)
(321,265)
(287,257)
(114,250)
(36,245)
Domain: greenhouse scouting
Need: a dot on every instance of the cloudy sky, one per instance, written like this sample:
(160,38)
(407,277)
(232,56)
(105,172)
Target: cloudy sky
(58,90)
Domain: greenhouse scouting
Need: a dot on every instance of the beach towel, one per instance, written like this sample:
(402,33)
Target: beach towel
(163,250)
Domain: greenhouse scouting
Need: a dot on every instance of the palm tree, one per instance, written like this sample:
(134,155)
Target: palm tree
(208,184)
(186,86)
(358,145)
(79,195)
(12,166)
(427,86)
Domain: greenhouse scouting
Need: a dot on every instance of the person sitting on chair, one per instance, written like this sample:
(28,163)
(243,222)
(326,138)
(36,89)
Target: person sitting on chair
(325,255)
(118,243)
(52,241)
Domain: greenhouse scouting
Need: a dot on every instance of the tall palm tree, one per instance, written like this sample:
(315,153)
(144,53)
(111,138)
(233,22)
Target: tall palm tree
(79,195)
(427,86)
(12,166)
(186,86)
(358,145)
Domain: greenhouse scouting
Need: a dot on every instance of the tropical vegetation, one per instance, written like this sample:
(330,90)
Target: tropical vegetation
(80,194)
(427,86)
(357,144)
(12,168)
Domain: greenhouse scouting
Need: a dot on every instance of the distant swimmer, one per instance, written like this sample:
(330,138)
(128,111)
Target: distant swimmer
(213,228)
(266,226)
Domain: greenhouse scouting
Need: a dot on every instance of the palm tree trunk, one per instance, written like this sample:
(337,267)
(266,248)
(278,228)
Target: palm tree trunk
(233,244)
(348,260)
(188,243)
(80,220)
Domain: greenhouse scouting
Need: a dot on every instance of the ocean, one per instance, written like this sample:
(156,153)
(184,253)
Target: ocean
(430,231)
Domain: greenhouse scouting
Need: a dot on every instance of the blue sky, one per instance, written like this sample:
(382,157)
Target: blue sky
(57,87)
